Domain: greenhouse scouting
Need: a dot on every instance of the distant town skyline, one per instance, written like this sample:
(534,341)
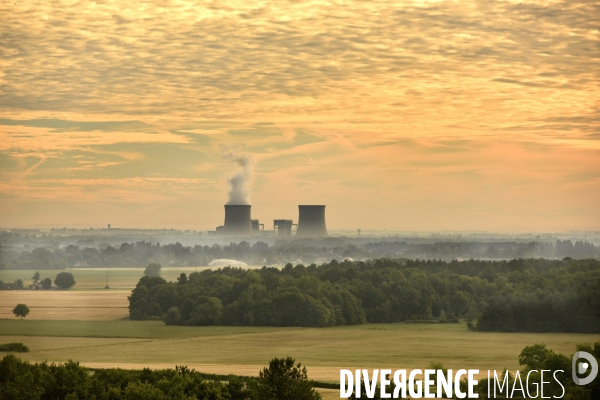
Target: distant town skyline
(412,116)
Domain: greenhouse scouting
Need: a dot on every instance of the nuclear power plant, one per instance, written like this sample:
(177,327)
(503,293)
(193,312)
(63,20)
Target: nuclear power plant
(239,222)
(311,221)
(238,217)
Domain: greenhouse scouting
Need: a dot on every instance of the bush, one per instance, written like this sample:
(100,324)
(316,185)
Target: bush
(14,347)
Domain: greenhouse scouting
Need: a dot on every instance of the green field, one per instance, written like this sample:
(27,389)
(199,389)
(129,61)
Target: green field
(243,350)
(98,340)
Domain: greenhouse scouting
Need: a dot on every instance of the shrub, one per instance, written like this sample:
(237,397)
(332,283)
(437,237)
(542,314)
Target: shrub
(14,347)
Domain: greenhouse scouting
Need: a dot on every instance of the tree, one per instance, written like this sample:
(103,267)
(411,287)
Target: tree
(21,310)
(172,316)
(284,381)
(64,280)
(152,270)
(36,277)
(182,279)
(207,313)
(47,284)
(534,357)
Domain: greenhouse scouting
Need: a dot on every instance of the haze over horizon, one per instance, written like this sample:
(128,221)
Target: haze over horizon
(414,116)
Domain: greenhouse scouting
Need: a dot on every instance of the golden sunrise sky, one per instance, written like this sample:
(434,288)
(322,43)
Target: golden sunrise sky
(410,115)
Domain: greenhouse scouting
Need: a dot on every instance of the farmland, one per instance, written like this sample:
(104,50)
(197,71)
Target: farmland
(90,326)
(66,305)
(244,350)
(95,278)
(87,300)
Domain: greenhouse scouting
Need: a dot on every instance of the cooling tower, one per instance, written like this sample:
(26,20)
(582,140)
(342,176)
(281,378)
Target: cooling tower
(311,221)
(237,220)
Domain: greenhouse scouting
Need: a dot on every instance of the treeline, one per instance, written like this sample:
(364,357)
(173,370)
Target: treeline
(486,250)
(518,295)
(63,280)
(70,381)
(554,312)
(557,383)
(307,251)
(127,255)
(142,253)
(538,358)
(283,379)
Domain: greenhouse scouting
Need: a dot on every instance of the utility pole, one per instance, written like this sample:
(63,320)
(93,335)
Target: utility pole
(106,287)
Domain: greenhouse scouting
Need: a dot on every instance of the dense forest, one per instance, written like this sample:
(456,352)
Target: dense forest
(296,251)
(534,295)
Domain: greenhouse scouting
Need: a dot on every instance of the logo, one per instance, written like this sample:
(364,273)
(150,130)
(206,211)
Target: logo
(581,368)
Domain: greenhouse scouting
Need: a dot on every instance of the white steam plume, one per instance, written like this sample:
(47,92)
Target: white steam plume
(239,180)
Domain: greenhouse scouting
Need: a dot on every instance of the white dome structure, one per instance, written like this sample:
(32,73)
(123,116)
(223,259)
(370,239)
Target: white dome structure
(223,262)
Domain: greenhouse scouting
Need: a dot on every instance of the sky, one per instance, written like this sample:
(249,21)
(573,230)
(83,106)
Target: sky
(409,115)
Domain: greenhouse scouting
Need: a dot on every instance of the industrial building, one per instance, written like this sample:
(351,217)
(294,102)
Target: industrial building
(283,227)
(256,225)
(311,221)
(239,222)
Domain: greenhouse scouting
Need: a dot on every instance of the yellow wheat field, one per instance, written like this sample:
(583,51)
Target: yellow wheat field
(66,304)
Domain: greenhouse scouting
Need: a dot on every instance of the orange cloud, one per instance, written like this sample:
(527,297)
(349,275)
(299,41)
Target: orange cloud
(423,114)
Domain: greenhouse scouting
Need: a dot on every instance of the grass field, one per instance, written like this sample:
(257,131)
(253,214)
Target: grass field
(88,325)
(244,350)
